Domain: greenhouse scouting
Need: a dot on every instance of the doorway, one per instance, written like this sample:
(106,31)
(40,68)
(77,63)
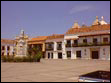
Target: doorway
(95,55)
(60,55)
(52,55)
(69,54)
(78,54)
(48,55)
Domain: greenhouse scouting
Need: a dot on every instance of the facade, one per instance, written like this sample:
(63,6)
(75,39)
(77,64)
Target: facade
(54,46)
(21,44)
(88,44)
(7,47)
(79,42)
(38,42)
(85,42)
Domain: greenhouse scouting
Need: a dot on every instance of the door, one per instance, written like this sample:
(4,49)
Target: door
(52,55)
(48,55)
(95,55)
(68,54)
(78,54)
(60,55)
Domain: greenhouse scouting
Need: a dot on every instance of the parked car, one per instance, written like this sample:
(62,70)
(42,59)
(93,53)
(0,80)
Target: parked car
(96,76)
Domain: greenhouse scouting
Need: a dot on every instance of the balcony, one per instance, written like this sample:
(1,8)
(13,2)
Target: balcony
(91,44)
(49,49)
(68,45)
(74,45)
(59,48)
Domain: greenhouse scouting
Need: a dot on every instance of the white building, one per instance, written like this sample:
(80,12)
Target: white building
(21,44)
(7,47)
(54,46)
(85,42)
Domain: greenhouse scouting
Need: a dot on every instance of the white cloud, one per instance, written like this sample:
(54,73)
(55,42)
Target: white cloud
(80,8)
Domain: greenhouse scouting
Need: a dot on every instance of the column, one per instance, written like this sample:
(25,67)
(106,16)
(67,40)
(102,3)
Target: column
(72,50)
(55,46)
(43,47)
(50,55)
(5,51)
(46,55)
(11,50)
(64,49)
(55,55)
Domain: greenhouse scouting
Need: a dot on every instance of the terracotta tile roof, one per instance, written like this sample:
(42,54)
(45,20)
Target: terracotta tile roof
(94,34)
(35,42)
(54,36)
(88,29)
(7,41)
(39,38)
(71,38)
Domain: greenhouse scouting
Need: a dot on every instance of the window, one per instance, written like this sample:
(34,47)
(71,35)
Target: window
(78,54)
(95,40)
(68,41)
(84,40)
(105,39)
(59,45)
(50,45)
(3,48)
(8,47)
(8,54)
(2,53)
(75,41)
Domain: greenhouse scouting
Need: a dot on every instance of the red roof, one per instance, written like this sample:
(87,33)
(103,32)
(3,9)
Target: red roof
(54,36)
(94,34)
(7,41)
(88,29)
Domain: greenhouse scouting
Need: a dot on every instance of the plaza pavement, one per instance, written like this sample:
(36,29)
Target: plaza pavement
(50,70)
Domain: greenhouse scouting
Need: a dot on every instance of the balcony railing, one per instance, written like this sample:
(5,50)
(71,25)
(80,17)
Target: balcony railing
(59,48)
(91,44)
(68,45)
(49,49)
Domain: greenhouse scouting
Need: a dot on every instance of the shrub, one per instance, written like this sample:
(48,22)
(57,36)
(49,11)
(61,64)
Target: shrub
(39,56)
(26,58)
(4,58)
(18,59)
(10,58)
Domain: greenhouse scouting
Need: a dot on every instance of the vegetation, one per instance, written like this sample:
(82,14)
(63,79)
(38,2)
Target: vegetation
(33,55)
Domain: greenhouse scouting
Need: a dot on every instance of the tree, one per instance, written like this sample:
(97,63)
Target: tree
(35,52)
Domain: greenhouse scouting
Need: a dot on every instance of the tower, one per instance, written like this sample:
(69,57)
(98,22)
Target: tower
(96,22)
(21,44)
(102,20)
(76,25)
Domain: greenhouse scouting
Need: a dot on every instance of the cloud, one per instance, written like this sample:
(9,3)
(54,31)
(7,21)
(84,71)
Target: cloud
(80,8)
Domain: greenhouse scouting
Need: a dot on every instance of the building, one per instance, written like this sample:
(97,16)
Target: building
(21,44)
(38,42)
(54,46)
(7,47)
(81,42)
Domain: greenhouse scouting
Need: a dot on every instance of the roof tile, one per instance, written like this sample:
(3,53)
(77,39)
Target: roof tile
(88,29)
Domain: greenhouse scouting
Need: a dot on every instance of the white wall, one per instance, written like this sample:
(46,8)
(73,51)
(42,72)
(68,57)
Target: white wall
(105,52)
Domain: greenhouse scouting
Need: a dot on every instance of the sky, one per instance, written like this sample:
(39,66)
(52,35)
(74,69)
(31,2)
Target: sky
(43,18)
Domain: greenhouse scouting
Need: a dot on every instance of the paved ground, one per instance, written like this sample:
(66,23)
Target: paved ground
(50,70)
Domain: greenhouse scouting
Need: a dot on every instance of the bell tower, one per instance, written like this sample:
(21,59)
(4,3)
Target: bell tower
(21,44)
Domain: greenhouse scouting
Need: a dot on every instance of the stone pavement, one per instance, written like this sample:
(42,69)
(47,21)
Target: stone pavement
(50,70)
